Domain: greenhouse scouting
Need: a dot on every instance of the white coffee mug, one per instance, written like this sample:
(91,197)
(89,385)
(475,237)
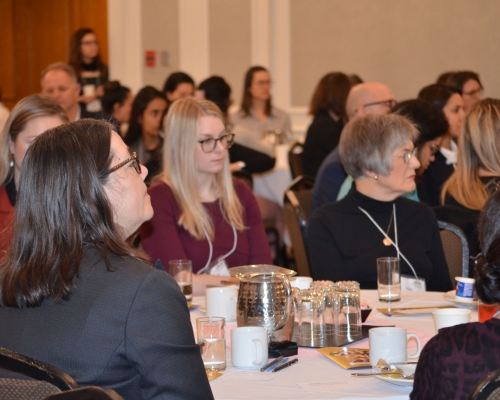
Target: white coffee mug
(445,317)
(391,345)
(249,347)
(221,302)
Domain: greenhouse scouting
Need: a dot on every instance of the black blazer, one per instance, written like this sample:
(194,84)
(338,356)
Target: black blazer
(128,330)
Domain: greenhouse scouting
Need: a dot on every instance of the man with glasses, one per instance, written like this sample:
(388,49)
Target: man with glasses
(365,98)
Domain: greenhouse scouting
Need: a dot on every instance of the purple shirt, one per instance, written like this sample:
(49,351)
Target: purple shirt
(456,359)
(163,238)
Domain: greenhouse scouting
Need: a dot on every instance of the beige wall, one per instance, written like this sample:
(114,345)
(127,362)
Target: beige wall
(229,29)
(405,44)
(160,25)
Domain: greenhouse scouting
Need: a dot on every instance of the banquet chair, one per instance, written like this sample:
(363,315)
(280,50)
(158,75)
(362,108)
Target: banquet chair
(456,249)
(488,388)
(297,209)
(295,159)
(87,393)
(45,379)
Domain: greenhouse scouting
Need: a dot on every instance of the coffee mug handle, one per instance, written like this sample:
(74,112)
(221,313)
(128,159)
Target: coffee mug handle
(419,347)
(231,308)
(258,348)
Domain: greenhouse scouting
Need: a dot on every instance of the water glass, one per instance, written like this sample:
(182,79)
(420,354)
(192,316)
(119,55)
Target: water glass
(211,335)
(347,309)
(182,272)
(311,315)
(388,279)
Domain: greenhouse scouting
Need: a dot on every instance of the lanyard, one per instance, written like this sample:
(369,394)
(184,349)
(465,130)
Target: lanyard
(387,236)
(211,248)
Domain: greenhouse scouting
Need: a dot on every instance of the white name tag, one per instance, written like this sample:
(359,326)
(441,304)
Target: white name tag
(412,284)
(219,267)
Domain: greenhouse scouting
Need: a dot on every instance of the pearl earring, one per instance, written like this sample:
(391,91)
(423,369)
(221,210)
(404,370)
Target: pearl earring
(11,164)
(376,177)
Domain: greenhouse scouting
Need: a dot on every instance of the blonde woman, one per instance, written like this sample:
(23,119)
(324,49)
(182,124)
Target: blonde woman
(477,175)
(201,213)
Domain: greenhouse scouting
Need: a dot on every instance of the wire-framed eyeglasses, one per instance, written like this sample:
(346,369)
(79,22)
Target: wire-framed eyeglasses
(408,155)
(135,164)
(391,103)
(208,145)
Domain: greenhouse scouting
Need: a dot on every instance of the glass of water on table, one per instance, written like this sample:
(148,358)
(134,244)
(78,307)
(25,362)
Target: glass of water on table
(182,272)
(211,335)
(388,279)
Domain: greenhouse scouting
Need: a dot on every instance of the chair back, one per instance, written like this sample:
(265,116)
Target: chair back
(295,159)
(456,249)
(298,208)
(40,371)
(488,388)
(87,393)
(11,388)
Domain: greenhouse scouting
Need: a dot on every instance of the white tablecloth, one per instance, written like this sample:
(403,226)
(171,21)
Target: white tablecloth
(315,368)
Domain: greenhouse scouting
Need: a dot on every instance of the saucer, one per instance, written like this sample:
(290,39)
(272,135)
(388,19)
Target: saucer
(407,369)
(451,297)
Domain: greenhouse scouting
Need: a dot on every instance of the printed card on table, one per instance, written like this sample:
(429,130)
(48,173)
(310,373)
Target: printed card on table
(347,357)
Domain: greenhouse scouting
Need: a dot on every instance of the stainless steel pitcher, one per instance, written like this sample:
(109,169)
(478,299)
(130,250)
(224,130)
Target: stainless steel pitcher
(265,296)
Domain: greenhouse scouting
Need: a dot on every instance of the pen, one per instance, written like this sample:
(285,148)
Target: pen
(279,364)
(274,362)
(295,360)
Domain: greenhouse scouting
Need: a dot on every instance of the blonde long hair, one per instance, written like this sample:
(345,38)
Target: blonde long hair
(180,171)
(478,148)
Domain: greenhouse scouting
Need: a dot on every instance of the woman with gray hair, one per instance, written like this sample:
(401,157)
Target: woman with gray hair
(346,238)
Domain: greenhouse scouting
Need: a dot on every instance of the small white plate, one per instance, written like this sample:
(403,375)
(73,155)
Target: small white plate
(451,297)
(407,369)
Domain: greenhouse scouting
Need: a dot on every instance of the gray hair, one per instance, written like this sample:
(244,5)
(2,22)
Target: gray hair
(60,66)
(367,143)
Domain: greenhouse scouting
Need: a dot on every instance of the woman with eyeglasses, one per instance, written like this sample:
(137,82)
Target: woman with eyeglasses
(449,100)
(459,357)
(257,116)
(477,175)
(374,220)
(30,117)
(93,306)
(468,83)
(201,213)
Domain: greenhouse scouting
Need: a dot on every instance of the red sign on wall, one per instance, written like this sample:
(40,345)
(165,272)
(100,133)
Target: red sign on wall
(150,58)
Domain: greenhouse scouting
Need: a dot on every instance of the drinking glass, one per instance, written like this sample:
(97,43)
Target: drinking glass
(347,309)
(388,279)
(311,315)
(211,335)
(182,272)
(486,311)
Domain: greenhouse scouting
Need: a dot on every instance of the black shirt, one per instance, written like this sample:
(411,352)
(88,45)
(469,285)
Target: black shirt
(343,244)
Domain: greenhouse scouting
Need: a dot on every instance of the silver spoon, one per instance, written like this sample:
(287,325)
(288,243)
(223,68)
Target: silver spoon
(401,374)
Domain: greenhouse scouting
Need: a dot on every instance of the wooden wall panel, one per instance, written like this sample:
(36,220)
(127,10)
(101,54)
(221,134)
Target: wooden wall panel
(37,33)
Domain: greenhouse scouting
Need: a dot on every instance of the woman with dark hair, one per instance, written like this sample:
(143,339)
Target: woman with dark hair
(30,117)
(449,100)
(91,71)
(177,86)
(328,108)
(468,83)
(457,358)
(345,238)
(117,102)
(242,158)
(109,319)
(257,116)
(144,131)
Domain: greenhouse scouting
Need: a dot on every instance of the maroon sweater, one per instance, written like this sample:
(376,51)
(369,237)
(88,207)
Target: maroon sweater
(163,238)
(456,359)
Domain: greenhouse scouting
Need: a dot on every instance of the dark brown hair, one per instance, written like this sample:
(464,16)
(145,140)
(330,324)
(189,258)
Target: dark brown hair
(62,212)
(75,54)
(458,79)
(246,101)
(331,94)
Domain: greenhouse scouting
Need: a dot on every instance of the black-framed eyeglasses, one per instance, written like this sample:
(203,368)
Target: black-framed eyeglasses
(208,145)
(434,148)
(135,164)
(388,103)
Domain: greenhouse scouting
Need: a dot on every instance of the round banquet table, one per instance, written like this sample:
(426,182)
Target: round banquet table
(317,377)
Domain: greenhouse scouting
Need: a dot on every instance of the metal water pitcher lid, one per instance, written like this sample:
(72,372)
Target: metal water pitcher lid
(260,271)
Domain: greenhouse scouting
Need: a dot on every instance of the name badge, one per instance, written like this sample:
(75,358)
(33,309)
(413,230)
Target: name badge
(412,284)
(219,267)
